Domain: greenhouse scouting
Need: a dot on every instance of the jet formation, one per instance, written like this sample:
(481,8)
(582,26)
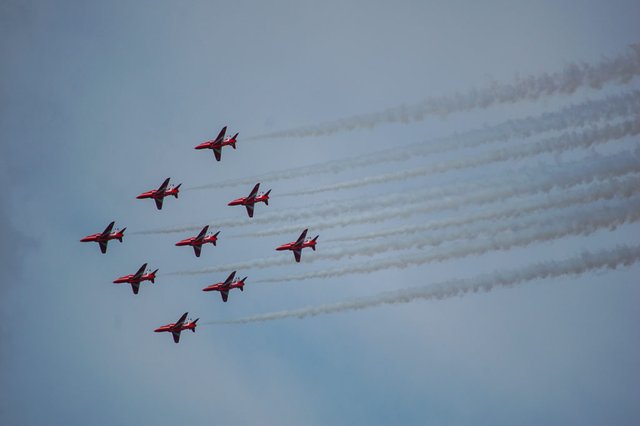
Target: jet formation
(203,237)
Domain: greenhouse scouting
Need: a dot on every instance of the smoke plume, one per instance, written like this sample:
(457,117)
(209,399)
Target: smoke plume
(587,112)
(498,238)
(579,220)
(620,69)
(556,144)
(457,196)
(576,266)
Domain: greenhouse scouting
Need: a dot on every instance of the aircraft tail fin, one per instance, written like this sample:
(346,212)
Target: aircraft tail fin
(177,188)
(313,246)
(266,197)
(242,283)
(153,276)
(121,234)
(194,324)
(233,138)
(216,236)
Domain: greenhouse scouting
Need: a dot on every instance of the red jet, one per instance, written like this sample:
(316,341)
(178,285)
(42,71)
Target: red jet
(176,328)
(137,278)
(104,237)
(163,191)
(197,241)
(252,199)
(227,285)
(217,143)
(299,244)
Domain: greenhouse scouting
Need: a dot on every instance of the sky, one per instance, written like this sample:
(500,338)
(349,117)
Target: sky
(100,101)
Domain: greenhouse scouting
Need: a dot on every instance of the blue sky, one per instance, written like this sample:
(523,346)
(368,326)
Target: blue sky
(102,101)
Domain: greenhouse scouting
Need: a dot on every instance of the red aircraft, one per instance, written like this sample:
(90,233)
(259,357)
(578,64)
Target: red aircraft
(104,237)
(252,199)
(299,244)
(197,241)
(137,278)
(176,328)
(163,191)
(227,285)
(217,143)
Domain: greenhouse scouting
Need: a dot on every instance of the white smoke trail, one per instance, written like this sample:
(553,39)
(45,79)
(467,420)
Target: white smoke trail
(530,181)
(573,116)
(620,69)
(332,209)
(550,229)
(625,187)
(557,144)
(587,261)
(580,220)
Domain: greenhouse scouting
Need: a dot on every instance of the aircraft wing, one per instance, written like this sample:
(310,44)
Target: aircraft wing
(103,246)
(197,250)
(108,229)
(218,153)
(135,286)
(224,294)
(180,322)
(301,238)
(229,279)
(250,209)
(140,271)
(296,254)
(158,203)
(176,336)
(254,191)
(220,136)
(202,233)
(164,185)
